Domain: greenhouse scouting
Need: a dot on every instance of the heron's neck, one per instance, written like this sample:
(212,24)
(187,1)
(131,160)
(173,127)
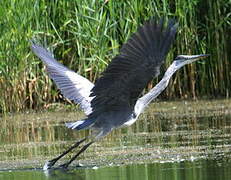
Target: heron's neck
(154,92)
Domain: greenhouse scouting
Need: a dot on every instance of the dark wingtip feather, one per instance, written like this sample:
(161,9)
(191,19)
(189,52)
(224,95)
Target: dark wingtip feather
(148,37)
(139,61)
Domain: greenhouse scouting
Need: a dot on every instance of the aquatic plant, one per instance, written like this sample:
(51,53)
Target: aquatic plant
(85,35)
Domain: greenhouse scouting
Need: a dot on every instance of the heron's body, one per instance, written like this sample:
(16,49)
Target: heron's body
(117,90)
(114,100)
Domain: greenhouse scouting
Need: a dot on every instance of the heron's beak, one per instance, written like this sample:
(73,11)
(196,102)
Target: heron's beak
(182,60)
(197,57)
(193,58)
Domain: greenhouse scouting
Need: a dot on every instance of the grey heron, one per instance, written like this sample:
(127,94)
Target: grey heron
(114,100)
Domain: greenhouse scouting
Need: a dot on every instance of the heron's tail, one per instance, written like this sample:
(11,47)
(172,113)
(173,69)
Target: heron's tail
(78,125)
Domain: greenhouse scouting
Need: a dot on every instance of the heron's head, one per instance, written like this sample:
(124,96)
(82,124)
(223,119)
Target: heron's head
(182,60)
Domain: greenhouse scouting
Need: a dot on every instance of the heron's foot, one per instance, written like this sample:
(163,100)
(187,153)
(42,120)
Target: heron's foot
(64,166)
(49,164)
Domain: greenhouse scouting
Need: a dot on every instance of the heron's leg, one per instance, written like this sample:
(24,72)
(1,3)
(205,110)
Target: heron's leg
(65,165)
(51,163)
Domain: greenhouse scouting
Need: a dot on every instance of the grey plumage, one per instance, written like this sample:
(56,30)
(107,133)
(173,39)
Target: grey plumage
(137,64)
(114,100)
(72,85)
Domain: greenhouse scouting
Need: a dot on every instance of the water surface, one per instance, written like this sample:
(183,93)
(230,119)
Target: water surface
(172,140)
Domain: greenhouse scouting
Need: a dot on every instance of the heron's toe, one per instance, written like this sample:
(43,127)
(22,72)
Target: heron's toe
(48,165)
(64,166)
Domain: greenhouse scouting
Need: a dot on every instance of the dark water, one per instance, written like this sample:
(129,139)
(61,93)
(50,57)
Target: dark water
(180,140)
(197,170)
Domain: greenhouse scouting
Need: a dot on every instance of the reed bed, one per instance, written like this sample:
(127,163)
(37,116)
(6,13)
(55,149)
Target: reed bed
(85,35)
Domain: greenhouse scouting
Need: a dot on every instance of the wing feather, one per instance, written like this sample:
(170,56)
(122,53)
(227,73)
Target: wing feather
(72,85)
(129,72)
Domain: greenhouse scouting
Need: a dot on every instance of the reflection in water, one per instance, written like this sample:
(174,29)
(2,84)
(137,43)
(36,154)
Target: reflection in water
(173,171)
(60,174)
(194,170)
(170,141)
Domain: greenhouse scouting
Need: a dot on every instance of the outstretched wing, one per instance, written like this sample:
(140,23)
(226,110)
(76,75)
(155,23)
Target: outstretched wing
(129,72)
(72,85)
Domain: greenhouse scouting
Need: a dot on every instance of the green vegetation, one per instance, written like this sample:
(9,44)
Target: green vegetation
(85,35)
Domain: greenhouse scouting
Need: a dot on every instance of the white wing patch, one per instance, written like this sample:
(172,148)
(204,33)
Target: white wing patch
(72,85)
(74,124)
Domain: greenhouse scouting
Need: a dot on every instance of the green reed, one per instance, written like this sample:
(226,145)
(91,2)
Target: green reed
(86,35)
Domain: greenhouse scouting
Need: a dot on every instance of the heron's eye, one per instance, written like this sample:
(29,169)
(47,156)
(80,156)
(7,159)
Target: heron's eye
(178,58)
(134,115)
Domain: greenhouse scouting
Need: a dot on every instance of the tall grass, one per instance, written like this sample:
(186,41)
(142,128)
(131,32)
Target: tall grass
(85,35)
